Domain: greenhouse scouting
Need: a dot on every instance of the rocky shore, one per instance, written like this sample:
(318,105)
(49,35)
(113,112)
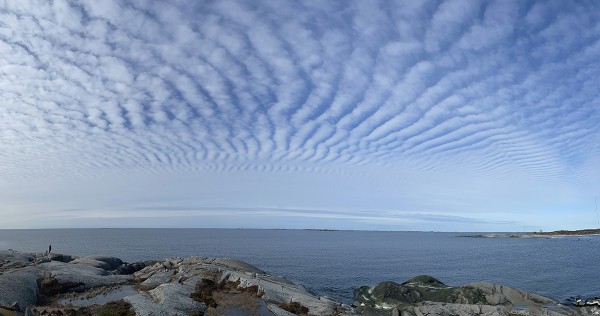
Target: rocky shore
(56,284)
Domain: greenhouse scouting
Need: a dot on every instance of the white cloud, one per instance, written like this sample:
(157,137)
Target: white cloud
(504,91)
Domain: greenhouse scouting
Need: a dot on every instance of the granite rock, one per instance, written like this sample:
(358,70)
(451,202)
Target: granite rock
(193,286)
(425,295)
(41,283)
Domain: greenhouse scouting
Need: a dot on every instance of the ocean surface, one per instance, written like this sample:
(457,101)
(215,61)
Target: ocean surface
(333,263)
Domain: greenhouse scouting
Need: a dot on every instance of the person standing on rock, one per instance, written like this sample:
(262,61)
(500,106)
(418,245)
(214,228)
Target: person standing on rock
(49,249)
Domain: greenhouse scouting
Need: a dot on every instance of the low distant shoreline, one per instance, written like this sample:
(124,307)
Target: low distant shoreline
(580,232)
(561,233)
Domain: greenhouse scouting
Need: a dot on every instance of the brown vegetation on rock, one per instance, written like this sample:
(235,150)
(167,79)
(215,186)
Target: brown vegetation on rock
(115,308)
(227,294)
(50,287)
(204,292)
(294,307)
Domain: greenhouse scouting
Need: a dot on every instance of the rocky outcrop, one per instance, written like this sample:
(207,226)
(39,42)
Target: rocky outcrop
(204,284)
(102,262)
(43,284)
(20,287)
(28,279)
(425,295)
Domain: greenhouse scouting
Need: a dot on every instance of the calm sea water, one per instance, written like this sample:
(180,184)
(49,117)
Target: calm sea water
(333,263)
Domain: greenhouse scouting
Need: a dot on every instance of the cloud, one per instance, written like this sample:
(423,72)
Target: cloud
(503,89)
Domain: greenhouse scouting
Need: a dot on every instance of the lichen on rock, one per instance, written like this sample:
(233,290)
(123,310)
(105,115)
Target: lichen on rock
(425,295)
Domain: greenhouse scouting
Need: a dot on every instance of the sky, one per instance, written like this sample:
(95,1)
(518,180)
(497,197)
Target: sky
(372,115)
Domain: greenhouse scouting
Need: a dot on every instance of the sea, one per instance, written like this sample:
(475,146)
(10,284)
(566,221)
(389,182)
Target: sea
(334,263)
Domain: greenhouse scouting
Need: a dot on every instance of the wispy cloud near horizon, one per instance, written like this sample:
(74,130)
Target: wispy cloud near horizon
(484,110)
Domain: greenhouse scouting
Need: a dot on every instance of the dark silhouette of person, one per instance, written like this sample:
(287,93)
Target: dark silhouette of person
(49,248)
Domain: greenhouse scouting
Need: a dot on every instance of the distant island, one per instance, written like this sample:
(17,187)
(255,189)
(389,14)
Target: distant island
(565,233)
(591,231)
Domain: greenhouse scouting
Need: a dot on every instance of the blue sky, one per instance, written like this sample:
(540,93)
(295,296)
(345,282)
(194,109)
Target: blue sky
(394,115)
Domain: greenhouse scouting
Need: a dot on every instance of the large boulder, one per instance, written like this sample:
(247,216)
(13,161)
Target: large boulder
(60,257)
(106,263)
(86,275)
(388,294)
(425,295)
(422,288)
(131,268)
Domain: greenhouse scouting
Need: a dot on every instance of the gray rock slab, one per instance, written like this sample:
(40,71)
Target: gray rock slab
(80,273)
(19,286)
(278,311)
(17,256)
(166,299)
(102,262)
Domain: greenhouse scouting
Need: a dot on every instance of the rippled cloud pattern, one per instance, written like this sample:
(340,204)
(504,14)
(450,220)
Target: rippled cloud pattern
(482,113)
